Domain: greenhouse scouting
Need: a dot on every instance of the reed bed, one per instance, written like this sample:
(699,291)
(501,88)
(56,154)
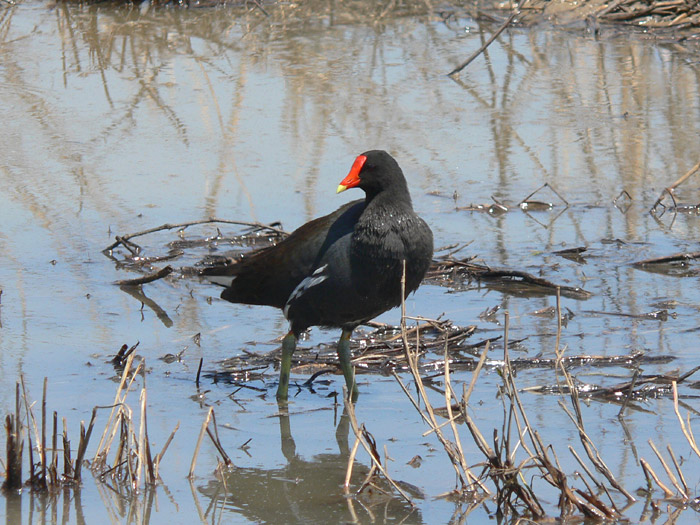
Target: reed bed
(517,452)
(123,456)
(656,14)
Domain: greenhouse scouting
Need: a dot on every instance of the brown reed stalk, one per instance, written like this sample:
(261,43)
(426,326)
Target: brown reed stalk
(54,447)
(30,419)
(42,481)
(650,473)
(67,462)
(588,445)
(13,448)
(141,443)
(214,436)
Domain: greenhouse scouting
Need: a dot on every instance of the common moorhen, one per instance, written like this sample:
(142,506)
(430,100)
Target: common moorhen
(342,269)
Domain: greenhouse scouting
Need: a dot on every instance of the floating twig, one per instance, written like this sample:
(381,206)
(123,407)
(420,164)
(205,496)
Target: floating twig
(163,272)
(668,259)
(124,239)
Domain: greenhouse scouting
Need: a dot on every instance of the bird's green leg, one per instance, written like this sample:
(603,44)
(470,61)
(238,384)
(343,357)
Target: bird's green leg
(289,343)
(344,357)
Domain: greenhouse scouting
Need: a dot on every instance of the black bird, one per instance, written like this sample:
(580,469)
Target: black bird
(342,269)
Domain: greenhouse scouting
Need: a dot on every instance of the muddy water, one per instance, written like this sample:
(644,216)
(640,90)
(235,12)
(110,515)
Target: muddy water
(115,120)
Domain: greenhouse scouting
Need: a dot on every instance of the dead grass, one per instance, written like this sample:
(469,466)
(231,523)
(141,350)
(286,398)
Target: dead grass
(123,457)
(516,460)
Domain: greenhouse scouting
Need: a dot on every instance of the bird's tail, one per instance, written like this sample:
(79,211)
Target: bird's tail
(221,280)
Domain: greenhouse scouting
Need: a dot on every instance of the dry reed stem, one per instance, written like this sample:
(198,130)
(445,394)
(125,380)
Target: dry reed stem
(30,418)
(100,454)
(447,421)
(217,442)
(590,506)
(43,434)
(458,461)
(687,430)
(449,395)
(128,438)
(140,451)
(369,476)
(669,473)
(83,443)
(649,471)
(628,397)
(512,392)
(588,445)
(434,427)
(159,456)
(133,457)
(351,462)
(67,462)
(588,472)
(523,492)
(467,394)
(199,442)
(678,470)
(54,448)
(464,475)
(13,447)
(219,447)
(592,451)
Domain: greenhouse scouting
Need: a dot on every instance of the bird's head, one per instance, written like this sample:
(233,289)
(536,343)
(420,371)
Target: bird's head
(374,171)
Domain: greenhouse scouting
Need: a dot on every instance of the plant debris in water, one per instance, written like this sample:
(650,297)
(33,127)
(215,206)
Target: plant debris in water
(379,350)
(430,352)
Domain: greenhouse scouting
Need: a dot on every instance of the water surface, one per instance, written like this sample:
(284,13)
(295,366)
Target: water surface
(118,119)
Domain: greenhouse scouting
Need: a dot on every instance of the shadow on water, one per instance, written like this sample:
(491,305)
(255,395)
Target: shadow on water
(304,491)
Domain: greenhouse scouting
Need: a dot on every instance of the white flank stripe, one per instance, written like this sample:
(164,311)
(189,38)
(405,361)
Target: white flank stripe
(312,280)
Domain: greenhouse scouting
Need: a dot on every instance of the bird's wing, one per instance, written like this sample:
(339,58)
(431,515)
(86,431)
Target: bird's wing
(271,275)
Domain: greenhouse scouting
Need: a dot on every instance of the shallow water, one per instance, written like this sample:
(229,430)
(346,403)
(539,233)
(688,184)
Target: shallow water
(120,119)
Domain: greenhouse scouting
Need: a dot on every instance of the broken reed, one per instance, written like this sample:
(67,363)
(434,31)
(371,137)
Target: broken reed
(514,450)
(132,465)
(517,448)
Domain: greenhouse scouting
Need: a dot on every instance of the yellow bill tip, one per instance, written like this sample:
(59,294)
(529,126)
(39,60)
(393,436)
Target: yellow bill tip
(341,188)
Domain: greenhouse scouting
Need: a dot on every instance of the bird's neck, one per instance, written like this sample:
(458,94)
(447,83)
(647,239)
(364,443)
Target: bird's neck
(398,198)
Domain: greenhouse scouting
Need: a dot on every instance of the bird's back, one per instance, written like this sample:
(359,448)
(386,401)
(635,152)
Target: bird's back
(269,276)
